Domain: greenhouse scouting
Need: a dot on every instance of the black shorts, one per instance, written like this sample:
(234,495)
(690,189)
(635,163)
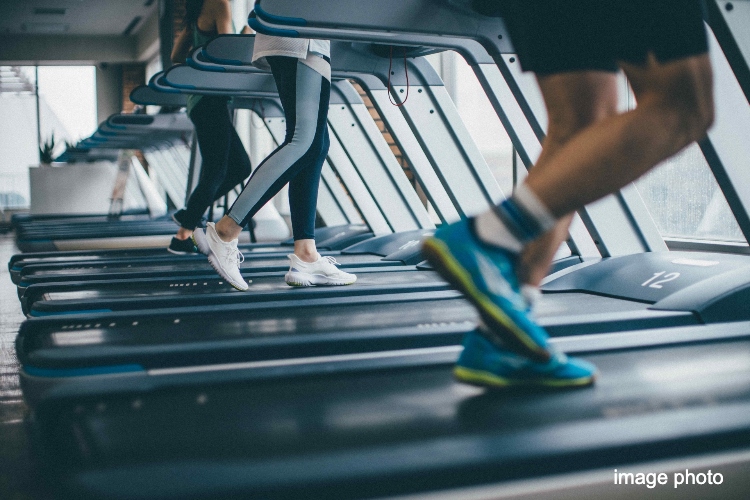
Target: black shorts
(557,36)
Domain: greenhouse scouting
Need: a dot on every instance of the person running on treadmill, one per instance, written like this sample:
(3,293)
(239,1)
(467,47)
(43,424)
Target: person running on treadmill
(575,48)
(225,163)
(302,71)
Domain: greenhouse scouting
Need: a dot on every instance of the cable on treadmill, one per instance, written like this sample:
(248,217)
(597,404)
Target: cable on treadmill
(406,70)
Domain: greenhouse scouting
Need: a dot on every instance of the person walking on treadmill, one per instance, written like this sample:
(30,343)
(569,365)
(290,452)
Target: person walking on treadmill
(225,163)
(302,71)
(575,48)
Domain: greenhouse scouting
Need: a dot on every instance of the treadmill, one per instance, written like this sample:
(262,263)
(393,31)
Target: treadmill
(71,297)
(395,423)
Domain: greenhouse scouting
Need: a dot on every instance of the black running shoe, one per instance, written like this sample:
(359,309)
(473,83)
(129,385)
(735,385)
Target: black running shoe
(182,247)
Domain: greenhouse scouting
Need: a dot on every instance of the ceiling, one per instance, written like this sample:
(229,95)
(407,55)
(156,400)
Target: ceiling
(74,17)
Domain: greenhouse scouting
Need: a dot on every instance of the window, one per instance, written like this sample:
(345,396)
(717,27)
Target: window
(685,200)
(67,109)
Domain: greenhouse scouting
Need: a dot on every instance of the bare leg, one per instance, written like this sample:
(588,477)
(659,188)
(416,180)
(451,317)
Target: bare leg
(183,234)
(574,101)
(674,109)
(306,250)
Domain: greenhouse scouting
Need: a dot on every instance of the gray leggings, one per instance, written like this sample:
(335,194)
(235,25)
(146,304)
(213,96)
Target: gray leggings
(305,95)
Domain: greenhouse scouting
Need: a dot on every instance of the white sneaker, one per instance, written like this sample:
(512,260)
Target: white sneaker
(224,257)
(321,272)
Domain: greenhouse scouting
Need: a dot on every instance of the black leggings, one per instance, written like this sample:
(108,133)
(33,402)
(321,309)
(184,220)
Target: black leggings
(305,95)
(225,162)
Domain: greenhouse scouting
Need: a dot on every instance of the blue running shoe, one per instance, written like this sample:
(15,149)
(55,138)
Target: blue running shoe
(487,277)
(484,364)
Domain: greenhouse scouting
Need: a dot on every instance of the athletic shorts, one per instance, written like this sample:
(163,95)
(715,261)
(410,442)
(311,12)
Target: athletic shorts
(557,36)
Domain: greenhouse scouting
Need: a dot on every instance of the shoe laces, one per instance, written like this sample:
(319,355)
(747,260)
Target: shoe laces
(331,260)
(328,265)
(232,254)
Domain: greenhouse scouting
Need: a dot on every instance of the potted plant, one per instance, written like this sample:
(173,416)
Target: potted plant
(46,151)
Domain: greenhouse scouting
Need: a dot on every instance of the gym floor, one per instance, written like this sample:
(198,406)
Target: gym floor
(18,479)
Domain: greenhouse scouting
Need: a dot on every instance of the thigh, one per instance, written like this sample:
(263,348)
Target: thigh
(575,100)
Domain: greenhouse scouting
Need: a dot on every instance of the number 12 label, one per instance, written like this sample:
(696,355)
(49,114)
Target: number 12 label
(653,282)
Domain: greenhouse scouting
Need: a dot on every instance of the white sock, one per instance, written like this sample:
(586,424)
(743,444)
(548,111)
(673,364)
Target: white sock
(515,222)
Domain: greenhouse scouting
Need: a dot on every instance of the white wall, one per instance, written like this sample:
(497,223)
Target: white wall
(18,145)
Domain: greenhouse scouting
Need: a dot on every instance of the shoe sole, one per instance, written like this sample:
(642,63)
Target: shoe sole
(199,238)
(306,279)
(177,252)
(438,254)
(482,378)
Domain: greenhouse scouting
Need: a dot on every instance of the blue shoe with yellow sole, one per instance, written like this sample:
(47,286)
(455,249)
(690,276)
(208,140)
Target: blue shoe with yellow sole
(487,277)
(484,364)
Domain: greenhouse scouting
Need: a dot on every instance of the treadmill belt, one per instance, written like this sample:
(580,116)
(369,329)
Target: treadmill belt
(204,340)
(180,269)
(396,430)
(262,289)
(158,256)
(260,284)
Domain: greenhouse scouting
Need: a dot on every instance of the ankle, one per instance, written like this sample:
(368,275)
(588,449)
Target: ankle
(306,250)
(183,234)
(224,236)
(226,231)
(307,256)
